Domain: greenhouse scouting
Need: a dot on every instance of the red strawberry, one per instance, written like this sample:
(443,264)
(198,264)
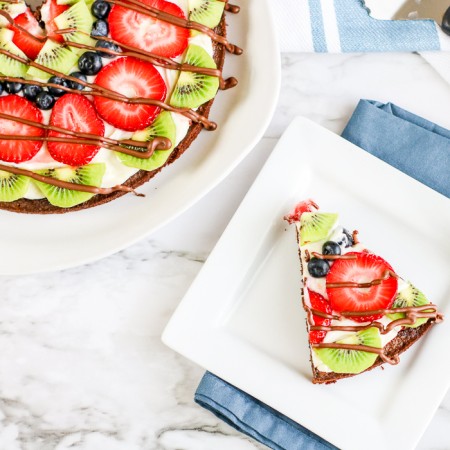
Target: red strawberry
(19,151)
(31,47)
(319,304)
(305,206)
(49,11)
(133,78)
(365,268)
(74,112)
(144,32)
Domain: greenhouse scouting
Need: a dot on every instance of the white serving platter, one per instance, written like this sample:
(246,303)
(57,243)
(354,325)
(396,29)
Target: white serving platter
(242,319)
(35,243)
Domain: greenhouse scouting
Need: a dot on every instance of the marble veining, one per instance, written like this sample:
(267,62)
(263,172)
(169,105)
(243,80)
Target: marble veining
(82,363)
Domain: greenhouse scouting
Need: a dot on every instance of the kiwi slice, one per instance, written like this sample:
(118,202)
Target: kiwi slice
(194,89)
(315,226)
(352,361)
(163,126)
(80,18)
(53,56)
(409,296)
(13,9)
(206,12)
(9,66)
(12,187)
(90,175)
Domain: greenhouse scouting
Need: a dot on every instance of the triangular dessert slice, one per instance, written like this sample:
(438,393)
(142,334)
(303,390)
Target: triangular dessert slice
(360,312)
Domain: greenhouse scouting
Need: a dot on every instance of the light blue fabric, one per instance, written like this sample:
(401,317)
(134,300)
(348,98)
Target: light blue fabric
(318,32)
(254,418)
(361,33)
(417,147)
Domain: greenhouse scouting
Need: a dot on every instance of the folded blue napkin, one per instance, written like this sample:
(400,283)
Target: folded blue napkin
(417,147)
(414,145)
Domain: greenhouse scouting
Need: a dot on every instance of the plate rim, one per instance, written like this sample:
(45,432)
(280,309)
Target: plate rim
(216,336)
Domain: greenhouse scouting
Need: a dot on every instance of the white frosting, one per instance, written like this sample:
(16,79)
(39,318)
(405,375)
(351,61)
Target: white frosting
(116,172)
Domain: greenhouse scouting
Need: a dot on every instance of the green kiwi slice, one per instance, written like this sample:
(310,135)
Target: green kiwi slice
(352,361)
(9,66)
(90,175)
(316,226)
(194,89)
(53,56)
(206,12)
(12,187)
(80,18)
(409,296)
(163,126)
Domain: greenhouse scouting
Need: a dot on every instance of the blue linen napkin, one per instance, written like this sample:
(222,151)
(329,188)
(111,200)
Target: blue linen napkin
(414,145)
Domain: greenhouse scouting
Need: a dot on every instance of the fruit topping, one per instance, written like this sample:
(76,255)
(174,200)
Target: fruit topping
(146,33)
(206,12)
(346,240)
(409,296)
(100,28)
(44,100)
(318,268)
(100,9)
(13,88)
(30,92)
(74,112)
(90,63)
(9,66)
(318,303)
(163,126)
(13,150)
(74,84)
(315,226)
(13,9)
(49,11)
(90,175)
(342,360)
(12,187)
(31,47)
(364,268)
(194,89)
(109,46)
(331,248)
(132,78)
(305,206)
(53,56)
(79,19)
(60,81)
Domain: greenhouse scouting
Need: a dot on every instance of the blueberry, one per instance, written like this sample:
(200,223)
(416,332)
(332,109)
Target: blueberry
(61,82)
(446,22)
(13,88)
(30,91)
(101,9)
(44,100)
(331,248)
(100,28)
(74,84)
(90,63)
(346,239)
(318,268)
(108,46)
(2,87)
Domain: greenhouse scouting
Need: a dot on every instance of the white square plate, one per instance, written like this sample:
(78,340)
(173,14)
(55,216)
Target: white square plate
(242,319)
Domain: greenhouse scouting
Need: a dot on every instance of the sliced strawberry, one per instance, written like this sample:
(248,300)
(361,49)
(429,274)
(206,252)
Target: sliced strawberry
(305,206)
(31,47)
(365,268)
(153,35)
(133,78)
(49,11)
(319,304)
(19,151)
(74,112)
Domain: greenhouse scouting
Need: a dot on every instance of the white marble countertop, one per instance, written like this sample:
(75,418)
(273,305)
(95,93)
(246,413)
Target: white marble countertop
(82,363)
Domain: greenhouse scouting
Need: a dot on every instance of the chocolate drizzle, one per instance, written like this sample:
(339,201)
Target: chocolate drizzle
(350,284)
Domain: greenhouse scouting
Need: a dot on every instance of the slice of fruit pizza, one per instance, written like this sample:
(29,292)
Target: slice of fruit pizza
(360,312)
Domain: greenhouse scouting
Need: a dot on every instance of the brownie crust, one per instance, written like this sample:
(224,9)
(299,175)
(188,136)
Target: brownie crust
(42,206)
